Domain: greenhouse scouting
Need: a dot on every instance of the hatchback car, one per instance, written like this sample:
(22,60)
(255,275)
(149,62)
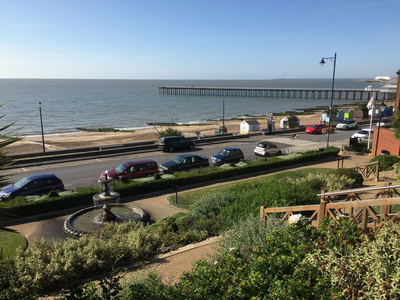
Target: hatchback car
(363,133)
(133,169)
(316,128)
(172,143)
(347,124)
(38,184)
(184,162)
(266,148)
(227,155)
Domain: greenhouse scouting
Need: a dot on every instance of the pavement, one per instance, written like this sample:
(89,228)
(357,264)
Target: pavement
(157,205)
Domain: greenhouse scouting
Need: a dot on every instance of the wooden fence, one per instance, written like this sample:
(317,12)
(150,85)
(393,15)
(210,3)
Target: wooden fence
(364,212)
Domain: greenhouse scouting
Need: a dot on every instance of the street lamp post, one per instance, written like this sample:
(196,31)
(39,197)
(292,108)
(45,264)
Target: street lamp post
(322,62)
(41,124)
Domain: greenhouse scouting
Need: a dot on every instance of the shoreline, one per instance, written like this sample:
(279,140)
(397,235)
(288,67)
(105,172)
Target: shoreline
(82,139)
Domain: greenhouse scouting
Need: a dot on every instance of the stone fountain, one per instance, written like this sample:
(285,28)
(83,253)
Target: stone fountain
(106,209)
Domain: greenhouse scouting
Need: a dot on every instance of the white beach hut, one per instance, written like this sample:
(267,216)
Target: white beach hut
(247,126)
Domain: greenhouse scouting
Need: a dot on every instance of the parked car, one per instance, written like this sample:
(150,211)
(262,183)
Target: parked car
(347,124)
(172,143)
(383,122)
(133,169)
(227,155)
(363,133)
(184,162)
(266,148)
(316,128)
(37,184)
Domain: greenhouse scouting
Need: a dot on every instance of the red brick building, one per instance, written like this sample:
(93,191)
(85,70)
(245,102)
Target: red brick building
(385,138)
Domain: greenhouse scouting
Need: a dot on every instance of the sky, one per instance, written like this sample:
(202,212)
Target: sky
(202,39)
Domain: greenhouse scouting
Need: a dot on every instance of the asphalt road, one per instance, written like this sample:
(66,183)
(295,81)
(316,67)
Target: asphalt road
(84,173)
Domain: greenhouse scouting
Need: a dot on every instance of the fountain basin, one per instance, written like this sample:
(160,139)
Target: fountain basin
(89,219)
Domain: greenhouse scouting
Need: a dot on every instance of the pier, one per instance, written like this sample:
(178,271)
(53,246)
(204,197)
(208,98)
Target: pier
(345,94)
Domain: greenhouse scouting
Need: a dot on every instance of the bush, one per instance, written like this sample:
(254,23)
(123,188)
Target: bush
(53,194)
(210,205)
(157,176)
(20,200)
(351,173)
(386,161)
(170,132)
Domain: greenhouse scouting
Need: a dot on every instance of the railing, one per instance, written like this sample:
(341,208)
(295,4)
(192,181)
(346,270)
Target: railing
(369,169)
(363,212)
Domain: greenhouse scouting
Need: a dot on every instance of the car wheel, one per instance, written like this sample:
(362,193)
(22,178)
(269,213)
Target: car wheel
(279,153)
(356,126)
(191,147)
(347,128)
(171,149)
(149,175)
(266,154)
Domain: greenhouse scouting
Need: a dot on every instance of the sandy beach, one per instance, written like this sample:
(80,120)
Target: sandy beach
(89,139)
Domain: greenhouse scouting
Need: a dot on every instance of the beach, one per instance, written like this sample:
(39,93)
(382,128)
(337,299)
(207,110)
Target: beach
(90,139)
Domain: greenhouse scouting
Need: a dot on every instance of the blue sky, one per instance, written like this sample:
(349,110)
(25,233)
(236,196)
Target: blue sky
(202,39)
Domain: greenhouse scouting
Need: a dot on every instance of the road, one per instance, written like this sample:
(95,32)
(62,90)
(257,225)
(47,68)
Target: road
(85,173)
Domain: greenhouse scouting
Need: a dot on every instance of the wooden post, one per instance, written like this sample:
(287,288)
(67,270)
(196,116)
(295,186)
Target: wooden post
(321,212)
(262,215)
(364,220)
(377,171)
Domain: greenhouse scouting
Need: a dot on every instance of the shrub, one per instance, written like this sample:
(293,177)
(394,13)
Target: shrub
(210,205)
(20,200)
(170,132)
(386,161)
(328,181)
(157,176)
(351,173)
(52,194)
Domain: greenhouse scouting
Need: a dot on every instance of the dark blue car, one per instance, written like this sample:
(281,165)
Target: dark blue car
(227,155)
(38,184)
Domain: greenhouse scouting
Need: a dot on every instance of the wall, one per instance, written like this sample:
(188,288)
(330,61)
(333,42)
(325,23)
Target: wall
(386,142)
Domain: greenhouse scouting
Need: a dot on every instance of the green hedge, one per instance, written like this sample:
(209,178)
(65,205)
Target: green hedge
(83,197)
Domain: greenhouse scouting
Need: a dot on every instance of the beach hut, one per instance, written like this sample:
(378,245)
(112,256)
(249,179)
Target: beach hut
(344,114)
(284,124)
(247,126)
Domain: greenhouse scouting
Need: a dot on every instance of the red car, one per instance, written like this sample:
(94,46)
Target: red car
(133,169)
(316,128)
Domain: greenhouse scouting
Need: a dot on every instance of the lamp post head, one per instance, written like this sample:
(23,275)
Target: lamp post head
(40,103)
(322,62)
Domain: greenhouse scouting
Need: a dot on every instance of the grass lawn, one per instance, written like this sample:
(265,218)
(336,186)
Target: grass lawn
(10,241)
(186,199)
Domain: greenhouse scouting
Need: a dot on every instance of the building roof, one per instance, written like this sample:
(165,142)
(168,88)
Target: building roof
(252,122)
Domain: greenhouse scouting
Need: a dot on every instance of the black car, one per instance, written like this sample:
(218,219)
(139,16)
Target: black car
(38,184)
(228,155)
(172,143)
(184,162)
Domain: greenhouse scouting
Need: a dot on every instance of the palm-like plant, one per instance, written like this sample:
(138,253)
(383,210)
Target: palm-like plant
(5,139)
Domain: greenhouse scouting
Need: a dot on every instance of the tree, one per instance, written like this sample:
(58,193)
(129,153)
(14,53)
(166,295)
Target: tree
(293,121)
(335,112)
(5,139)
(363,108)
(396,125)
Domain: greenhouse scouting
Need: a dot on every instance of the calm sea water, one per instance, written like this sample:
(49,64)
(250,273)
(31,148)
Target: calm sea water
(127,104)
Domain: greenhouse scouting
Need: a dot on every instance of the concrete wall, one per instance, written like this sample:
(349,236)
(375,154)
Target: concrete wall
(386,141)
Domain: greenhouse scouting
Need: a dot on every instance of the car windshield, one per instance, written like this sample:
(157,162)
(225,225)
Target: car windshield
(120,168)
(223,152)
(314,126)
(20,183)
(364,132)
(178,159)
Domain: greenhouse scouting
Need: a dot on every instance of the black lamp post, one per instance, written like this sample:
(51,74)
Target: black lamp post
(322,62)
(381,107)
(41,124)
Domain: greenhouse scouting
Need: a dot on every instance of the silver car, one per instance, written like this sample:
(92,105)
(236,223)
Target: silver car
(363,133)
(266,148)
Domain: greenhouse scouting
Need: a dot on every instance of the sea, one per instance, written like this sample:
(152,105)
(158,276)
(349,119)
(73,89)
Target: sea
(69,104)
